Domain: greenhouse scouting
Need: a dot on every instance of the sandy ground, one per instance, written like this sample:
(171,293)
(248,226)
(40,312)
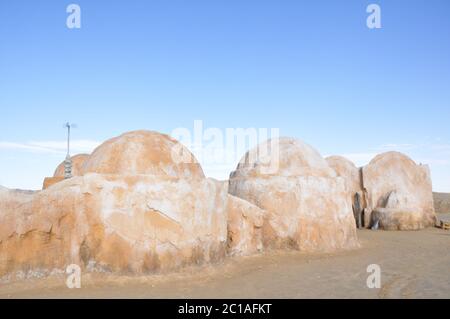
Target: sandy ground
(413,265)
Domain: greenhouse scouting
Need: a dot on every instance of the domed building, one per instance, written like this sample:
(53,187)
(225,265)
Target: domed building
(143,153)
(140,203)
(346,168)
(283,157)
(399,193)
(306,203)
(77,162)
(394,192)
(77,165)
(353,175)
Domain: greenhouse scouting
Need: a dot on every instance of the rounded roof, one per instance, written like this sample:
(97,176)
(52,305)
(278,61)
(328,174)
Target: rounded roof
(348,170)
(143,152)
(283,156)
(391,157)
(77,164)
(341,165)
(394,171)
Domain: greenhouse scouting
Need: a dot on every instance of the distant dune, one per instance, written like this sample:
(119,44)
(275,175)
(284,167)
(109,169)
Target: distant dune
(442,203)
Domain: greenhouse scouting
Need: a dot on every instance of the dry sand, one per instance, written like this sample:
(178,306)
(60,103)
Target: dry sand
(413,264)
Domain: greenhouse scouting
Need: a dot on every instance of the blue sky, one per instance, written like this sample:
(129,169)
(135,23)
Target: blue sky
(310,68)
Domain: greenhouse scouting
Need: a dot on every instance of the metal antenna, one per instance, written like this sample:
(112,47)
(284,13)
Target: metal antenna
(69,126)
(68,160)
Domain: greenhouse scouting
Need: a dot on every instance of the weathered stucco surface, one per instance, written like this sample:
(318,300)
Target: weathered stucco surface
(146,153)
(115,223)
(245,222)
(77,166)
(346,169)
(141,203)
(139,211)
(307,206)
(399,191)
(353,177)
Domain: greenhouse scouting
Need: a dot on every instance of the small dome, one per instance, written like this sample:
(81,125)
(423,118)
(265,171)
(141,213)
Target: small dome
(283,157)
(394,181)
(146,153)
(392,158)
(348,170)
(341,165)
(77,164)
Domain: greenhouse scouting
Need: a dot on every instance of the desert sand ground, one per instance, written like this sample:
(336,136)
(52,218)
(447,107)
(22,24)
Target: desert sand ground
(413,265)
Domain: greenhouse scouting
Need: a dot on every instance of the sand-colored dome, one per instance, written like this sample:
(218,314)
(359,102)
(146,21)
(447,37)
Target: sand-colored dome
(306,205)
(77,164)
(395,172)
(146,153)
(283,157)
(341,165)
(352,175)
(392,158)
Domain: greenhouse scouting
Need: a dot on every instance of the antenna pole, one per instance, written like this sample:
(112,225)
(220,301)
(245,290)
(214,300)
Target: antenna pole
(68,139)
(68,160)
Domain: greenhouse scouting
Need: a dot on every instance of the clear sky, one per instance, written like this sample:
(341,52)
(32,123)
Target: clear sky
(310,68)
